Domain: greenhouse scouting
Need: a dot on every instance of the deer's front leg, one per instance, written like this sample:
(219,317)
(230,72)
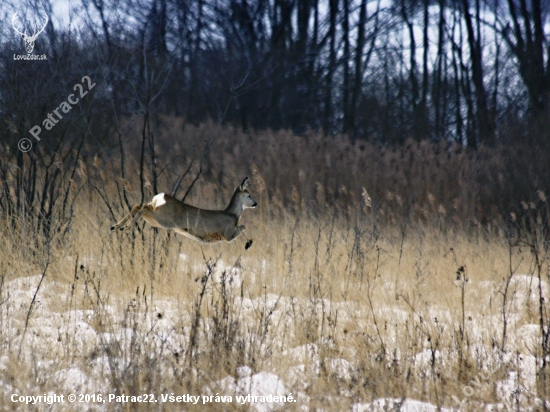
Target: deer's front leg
(238,230)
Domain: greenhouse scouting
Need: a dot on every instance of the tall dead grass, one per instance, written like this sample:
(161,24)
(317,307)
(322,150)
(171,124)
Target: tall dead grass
(411,295)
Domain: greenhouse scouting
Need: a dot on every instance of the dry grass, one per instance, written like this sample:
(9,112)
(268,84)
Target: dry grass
(343,303)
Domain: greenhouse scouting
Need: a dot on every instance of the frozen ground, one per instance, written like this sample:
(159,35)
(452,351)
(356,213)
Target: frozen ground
(82,351)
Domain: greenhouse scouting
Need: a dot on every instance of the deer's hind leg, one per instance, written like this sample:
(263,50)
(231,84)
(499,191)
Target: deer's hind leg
(142,213)
(132,215)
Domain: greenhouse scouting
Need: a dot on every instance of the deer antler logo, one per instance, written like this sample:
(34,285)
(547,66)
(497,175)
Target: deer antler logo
(29,40)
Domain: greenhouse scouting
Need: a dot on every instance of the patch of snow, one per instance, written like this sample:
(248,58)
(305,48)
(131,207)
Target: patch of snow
(423,360)
(523,292)
(391,314)
(4,360)
(260,384)
(339,367)
(306,354)
(72,379)
(527,338)
(298,376)
(244,371)
(402,405)
(515,389)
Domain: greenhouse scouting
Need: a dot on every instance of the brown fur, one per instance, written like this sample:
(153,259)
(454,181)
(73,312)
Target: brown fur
(206,226)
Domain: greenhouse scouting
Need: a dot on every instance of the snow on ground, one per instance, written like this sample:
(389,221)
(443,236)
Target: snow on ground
(523,293)
(76,332)
(248,387)
(403,405)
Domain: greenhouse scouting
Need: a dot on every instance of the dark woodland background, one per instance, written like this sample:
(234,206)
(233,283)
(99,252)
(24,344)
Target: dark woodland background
(452,96)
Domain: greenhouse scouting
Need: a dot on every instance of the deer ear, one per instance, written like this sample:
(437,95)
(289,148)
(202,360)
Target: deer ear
(244,184)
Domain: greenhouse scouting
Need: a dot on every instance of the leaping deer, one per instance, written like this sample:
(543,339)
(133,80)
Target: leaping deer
(205,226)
(29,40)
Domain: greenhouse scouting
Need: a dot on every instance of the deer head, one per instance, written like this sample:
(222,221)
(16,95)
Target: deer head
(29,40)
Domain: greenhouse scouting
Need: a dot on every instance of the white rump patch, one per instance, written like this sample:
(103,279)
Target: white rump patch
(158,201)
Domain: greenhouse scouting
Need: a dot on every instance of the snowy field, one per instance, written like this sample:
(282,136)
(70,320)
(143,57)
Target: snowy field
(221,348)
